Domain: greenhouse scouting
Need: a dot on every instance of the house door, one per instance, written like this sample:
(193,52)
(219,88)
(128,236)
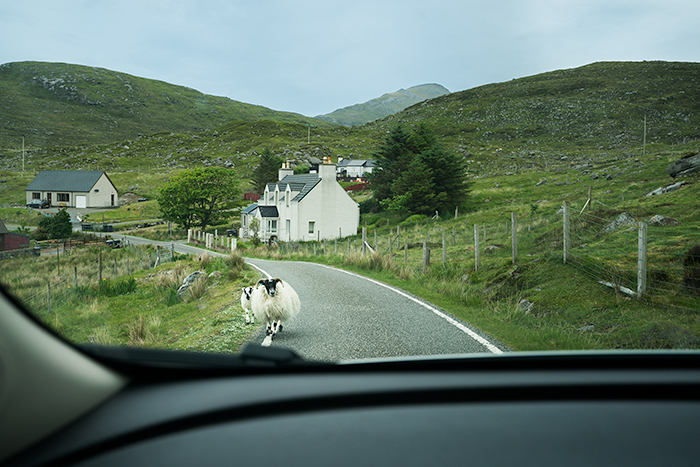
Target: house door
(48,198)
(112,200)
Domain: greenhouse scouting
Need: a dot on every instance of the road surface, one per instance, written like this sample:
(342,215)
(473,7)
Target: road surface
(345,316)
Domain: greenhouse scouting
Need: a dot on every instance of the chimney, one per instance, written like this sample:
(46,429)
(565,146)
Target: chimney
(326,170)
(284,171)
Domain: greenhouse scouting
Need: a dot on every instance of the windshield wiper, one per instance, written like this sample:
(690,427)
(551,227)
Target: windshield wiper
(183,364)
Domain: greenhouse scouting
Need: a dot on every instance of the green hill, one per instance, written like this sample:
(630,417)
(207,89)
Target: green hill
(383,106)
(56,104)
(556,120)
(598,106)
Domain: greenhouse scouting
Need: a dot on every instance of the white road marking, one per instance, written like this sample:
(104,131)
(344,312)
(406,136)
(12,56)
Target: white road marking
(492,348)
(260,269)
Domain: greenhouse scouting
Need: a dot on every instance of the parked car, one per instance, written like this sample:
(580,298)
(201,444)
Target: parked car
(38,204)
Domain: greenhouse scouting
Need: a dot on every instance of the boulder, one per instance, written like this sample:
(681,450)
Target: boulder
(189,280)
(661,220)
(688,165)
(622,220)
(526,305)
(666,189)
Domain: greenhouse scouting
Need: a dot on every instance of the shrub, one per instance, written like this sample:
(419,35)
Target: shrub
(113,288)
(370,205)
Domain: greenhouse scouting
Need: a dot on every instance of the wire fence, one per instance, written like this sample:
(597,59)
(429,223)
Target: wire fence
(96,264)
(603,245)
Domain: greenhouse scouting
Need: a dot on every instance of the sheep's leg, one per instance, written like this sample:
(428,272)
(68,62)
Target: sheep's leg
(247,317)
(279,326)
(268,329)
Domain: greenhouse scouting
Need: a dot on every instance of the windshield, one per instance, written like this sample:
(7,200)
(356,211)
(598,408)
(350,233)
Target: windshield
(440,182)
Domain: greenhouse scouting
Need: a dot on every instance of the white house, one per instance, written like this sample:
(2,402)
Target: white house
(303,207)
(355,168)
(73,189)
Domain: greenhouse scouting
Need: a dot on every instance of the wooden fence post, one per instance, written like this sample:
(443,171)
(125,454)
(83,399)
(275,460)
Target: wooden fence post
(444,248)
(405,251)
(425,254)
(48,295)
(642,260)
(115,269)
(514,225)
(567,232)
(364,240)
(476,246)
(75,275)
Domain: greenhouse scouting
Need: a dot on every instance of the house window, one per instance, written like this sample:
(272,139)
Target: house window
(272,226)
(36,195)
(65,197)
(312,225)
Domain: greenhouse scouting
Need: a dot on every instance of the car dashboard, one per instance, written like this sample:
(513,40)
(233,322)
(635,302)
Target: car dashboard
(269,405)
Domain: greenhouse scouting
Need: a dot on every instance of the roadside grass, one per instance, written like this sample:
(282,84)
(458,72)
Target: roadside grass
(571,310)
(143,309)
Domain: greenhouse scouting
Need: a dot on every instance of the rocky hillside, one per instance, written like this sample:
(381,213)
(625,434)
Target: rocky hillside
(383,106)
(598,106)
(57,104)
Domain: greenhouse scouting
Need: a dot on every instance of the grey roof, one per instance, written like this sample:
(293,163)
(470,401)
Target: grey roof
(357,162)
(268,211)
(250,208)
(343,163)
(302,183)
(3,229)
(64,180)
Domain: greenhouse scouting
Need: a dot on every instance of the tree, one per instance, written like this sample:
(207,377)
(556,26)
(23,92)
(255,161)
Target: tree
(200,197)
(54,227)
(392,157)
(415,174)
(267,170)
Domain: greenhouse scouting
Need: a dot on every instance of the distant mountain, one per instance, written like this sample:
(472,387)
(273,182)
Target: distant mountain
(57,104)
(383,106)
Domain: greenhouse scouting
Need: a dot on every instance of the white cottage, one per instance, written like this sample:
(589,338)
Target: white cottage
(303,207)
(73,189)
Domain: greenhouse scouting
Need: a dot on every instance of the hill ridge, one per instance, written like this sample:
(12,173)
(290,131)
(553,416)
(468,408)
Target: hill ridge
(385,105)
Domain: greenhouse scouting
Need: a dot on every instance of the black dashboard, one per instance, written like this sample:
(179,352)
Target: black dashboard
(525,409)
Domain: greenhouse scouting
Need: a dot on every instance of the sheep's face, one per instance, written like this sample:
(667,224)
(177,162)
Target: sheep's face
(247,292)
(270,285)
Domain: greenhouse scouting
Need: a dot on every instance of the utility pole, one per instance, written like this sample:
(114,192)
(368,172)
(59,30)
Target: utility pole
(644,150)
(22,153)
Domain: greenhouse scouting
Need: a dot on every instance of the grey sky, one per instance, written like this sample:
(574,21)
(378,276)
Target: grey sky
(315,56)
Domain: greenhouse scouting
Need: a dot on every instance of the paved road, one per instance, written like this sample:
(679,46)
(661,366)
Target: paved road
(346,316)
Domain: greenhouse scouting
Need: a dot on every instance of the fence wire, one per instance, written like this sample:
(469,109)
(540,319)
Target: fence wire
(114,265)
(608,254)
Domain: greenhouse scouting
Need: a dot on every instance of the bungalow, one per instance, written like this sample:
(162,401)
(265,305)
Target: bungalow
(73,189)
(355,168)
(303,207)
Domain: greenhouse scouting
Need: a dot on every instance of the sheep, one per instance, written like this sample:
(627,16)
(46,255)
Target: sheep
(246,293)
(274,301)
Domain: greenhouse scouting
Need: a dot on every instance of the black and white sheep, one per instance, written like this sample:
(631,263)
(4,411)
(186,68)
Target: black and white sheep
(274,301)
(246,294)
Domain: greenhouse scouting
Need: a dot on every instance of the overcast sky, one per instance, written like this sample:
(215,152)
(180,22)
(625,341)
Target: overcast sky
(315,56)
